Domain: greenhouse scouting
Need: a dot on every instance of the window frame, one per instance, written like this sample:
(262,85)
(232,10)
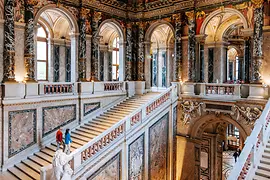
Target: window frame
(116,49)
(43,39)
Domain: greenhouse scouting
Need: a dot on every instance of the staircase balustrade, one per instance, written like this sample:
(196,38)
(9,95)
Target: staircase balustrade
(99,144)
(254,145)
(113,86)
(58,88)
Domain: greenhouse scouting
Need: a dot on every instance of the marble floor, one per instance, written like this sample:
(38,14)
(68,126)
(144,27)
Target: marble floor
(227,164)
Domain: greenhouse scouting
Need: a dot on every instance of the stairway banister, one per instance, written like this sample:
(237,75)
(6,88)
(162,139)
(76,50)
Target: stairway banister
(252,146)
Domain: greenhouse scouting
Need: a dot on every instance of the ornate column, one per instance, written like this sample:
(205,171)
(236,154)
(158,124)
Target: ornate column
(257,41)
(141,52)
(29,48)
(129,52)
(191,45)
(95,41)
(82,45)
(9,43)
(177,49)
(246,73)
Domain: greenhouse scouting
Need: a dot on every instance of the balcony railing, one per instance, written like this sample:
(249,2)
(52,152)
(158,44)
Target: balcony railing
(56,88)
(254,145)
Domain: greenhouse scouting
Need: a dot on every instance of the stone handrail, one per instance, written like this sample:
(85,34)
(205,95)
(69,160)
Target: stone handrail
(254,146)
(110,86)
(56,88)
(113,86)
(84,154)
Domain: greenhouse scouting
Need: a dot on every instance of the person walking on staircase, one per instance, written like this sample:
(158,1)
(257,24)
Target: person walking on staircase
(59,139)
(67,142)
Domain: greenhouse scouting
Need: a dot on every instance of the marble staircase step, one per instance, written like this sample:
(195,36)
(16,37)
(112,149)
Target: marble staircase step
(266,155)
(39,160)
(256,177)
(265,160)
(106,124)
(84,134)
(48,151)
(7,176)
(113,116)
(117,113)
(19,174)
(72,148)
(105,120)
(27,170)
(98,126)
(44,156)
(263,173)
(127,106)
(79,139)
(36,167)
(94,130)
(265,167)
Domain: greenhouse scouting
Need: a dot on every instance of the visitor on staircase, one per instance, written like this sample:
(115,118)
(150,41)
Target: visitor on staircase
(67,142)
(59,138)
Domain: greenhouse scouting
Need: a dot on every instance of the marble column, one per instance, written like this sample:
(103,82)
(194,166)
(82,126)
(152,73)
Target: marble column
(177,66)
(88,56)
(82,46)
(94,46)
(191,45)
(129,52)
(246,70)
(220,63)
(257,42)
(240,67)
(141,52)
(29,49)
(148,61)
(9,45)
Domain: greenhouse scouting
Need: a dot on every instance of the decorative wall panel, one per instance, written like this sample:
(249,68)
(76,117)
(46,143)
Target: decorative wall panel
(158,145)
(22,130)
(90,107)
(154,70)
(109,171)
(56,116)
(136,159)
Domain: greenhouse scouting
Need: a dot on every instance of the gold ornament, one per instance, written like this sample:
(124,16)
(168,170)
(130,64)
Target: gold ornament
(190,15)
(257,3)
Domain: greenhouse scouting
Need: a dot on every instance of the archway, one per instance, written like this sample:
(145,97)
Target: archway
(214,138)
(56,44)
(112,48)
(160,50)
(223,27)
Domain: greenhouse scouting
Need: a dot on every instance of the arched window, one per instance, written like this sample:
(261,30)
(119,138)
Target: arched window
(115,59)
(42,54)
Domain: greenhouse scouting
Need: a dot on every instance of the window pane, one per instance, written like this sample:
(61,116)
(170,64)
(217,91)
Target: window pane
(114,61)
(117,59)
(114,72)
(41,50)
(41,70)
(41,32)
(117,42)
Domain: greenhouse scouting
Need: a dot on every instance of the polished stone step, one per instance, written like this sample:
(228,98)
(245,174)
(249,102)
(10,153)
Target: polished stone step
(19,174)
(79,139)
(94,130)
(265,160)
(118,113)
(7,176)
(39,160)
(106,120)
(256,177)
(32,165)
(107,124)
(71,147)
(263,173)
(44,156)
(98,126)
(85,134)
(27,170)
(48,151)
(264,166)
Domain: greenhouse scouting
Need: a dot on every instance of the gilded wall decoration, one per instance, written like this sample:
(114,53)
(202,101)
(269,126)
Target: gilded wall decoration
(200,16)
(136,159)
(248,113)
(22,130)
(190,110)
(90,107)
(56,116)
(158,145)
(19,11)
(109,171)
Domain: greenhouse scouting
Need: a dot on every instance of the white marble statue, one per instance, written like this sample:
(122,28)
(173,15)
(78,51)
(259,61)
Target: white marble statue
(61,167)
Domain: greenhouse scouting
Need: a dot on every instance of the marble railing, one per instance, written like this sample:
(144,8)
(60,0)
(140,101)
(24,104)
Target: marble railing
(212,89)
(84,155)
(113,86)
(254,145)
(56,88)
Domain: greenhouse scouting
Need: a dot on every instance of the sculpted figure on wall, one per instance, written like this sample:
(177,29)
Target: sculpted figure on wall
(61,168)
(249,114)
(250,13)
(190,109)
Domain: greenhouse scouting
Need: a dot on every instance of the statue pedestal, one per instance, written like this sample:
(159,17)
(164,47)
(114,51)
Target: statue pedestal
(257,91)
(188,89)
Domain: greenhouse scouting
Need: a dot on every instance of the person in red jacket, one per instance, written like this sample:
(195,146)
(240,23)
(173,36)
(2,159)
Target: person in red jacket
(59,138)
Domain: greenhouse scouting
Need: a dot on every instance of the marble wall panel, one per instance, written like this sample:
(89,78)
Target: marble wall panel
(136,159)
(19,49)
(109,171)
(90,107)
(158,149)
(22,130)
(56,116)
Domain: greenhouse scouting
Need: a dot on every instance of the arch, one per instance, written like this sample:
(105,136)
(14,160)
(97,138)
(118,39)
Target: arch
(219,11)
(198,127)
(70,17)
(109,29)
(153,26)
(117,26)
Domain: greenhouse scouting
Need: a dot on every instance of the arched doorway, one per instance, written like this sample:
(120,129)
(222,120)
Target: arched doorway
(223,28)
(111,51)
(161,52)
(56,49)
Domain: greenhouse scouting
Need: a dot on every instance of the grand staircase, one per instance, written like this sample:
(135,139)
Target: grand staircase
(29,168)
(263,170)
